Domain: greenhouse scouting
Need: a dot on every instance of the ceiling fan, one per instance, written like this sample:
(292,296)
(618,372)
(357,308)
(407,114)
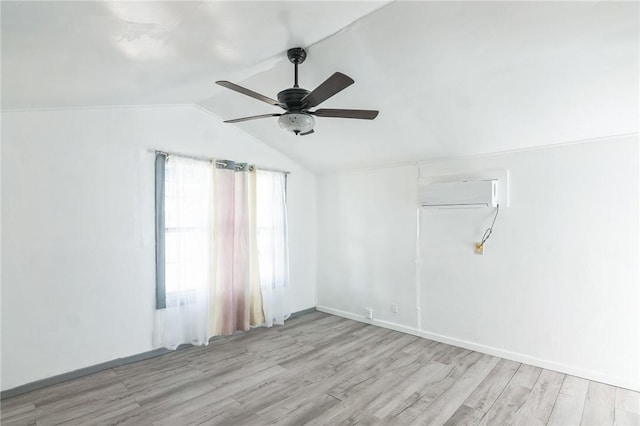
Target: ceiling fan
(297,101)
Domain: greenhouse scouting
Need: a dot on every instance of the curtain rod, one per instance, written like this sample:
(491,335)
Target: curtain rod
(266,169)
(195,157)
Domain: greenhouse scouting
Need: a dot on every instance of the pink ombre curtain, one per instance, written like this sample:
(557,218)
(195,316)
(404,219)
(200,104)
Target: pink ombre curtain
(236,299)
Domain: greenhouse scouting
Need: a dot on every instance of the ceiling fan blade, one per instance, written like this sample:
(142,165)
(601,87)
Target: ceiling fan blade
(307,133)
(253,117)
(330,87)
(364,114)
(245,91)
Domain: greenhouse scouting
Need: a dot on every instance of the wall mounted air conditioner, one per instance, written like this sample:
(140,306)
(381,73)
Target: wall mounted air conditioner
(465,193)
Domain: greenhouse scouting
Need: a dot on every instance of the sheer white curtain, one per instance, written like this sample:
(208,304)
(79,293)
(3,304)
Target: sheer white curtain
(188,265)
(272,241)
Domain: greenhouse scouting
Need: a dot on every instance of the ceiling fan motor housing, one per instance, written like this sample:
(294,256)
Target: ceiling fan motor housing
(291,98)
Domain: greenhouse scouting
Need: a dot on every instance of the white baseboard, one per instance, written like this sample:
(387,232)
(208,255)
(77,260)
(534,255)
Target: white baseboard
(362,318)
(490,350)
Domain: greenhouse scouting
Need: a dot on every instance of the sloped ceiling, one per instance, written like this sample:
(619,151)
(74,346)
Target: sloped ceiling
(449,78)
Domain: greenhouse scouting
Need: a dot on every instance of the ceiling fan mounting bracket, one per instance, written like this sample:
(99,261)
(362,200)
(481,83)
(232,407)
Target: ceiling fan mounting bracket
(297,55)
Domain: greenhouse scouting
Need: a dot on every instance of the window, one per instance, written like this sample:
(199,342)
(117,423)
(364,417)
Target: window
(187,230)
(221,251)
(271,226)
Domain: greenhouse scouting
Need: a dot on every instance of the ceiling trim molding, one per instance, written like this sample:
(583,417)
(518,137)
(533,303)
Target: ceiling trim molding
(85,107)
(475,156)
(534,147)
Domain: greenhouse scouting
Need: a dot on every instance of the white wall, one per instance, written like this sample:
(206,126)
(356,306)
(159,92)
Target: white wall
(78,229)
(366,253)
(558,285)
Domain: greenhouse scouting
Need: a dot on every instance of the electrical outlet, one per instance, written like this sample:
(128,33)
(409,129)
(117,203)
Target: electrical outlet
(394,308)
(479,248)
(369,312)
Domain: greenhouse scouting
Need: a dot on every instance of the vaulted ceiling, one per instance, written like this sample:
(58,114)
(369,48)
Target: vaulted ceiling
(449,78)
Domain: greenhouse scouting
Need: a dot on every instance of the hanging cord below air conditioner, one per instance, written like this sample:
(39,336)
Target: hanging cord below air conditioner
(489,230)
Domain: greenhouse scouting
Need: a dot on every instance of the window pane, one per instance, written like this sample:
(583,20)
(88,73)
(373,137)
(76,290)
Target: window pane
(188,201)
(271,229)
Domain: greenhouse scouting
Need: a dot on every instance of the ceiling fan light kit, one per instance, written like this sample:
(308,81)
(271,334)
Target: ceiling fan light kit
(297,122)
(297,102)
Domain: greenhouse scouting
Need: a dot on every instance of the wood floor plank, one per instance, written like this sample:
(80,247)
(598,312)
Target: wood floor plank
(342,345)
(357,402)
(298,409)
(163,390)
(484,396)
(433,391)
(507,404)
(231,418)
(626,418)
(627,400)
(574,386)
(570,402)
(394,343)
(393,403)
(567,410)
(74,404)
(539,403)
(88,409)
(418,346)
(301,321)
(66,389)
(17,410)
(321,369)
(197,397)
(417,373)
(450,354)
(465,416)
(399,363)
(526,376)
(21,418)
(104,414)
(599,407)
(446,405)
(195,415)
(362,388)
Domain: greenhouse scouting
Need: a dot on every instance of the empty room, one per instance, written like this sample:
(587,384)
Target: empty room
(320,212)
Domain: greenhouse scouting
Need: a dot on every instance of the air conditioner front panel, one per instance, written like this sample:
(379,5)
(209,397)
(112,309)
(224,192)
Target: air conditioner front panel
(483,192)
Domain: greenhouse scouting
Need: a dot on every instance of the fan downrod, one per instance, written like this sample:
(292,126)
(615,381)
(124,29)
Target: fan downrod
(297,55)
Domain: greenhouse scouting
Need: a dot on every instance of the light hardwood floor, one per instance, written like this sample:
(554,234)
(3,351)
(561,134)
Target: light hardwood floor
(323,369)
